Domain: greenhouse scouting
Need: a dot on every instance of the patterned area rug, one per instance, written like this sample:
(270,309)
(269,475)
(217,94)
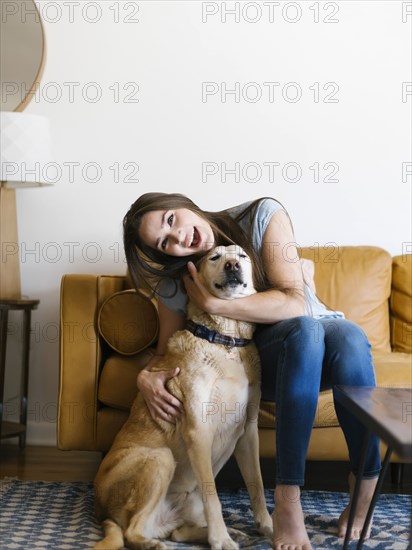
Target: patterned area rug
(51,515)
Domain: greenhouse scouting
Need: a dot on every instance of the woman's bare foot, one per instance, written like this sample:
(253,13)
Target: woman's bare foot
(289,530)
(366,491)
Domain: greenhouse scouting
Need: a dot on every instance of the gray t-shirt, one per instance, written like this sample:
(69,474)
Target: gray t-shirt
(255,228)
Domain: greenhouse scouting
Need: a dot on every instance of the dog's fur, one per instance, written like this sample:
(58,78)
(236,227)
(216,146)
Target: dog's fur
(157,480)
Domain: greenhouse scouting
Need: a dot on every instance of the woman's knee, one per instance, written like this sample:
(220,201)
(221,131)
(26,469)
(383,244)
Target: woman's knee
(307,332)
(348,347)
(346,336)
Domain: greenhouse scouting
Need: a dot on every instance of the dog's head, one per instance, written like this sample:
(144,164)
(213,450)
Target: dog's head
(226,271)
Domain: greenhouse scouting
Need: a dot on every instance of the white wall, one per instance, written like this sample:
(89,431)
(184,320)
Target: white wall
(364,57)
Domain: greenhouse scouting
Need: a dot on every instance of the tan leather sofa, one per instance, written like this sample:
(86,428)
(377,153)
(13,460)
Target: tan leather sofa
(107,335)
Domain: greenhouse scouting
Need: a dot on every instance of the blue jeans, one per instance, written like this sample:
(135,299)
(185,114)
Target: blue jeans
(300,357)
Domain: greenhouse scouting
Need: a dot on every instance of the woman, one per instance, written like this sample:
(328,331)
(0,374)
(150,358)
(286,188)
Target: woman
(300,348)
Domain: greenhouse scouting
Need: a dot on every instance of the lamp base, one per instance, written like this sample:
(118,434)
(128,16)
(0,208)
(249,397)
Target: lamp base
(9,254)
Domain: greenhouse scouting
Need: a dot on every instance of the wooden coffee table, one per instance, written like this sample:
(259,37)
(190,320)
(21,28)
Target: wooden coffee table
(386,412)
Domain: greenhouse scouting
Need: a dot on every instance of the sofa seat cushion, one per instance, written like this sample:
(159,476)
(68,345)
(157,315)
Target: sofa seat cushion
(393,370)
(325,412)
(117,384)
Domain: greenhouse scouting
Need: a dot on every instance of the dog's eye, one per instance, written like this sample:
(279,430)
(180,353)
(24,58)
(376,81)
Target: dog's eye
(214,258)
(242,256)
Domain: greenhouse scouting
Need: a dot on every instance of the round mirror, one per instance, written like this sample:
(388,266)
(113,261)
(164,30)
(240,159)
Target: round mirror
(22,53)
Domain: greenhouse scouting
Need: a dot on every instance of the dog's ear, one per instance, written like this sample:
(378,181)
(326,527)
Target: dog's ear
(199,265)
(199,261)
(202,261)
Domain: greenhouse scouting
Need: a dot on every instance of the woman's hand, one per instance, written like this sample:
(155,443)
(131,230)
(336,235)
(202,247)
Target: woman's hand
(160,402)
(198,293)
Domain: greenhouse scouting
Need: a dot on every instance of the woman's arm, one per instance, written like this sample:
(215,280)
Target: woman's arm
(282,268)
(169,323)
(160,402)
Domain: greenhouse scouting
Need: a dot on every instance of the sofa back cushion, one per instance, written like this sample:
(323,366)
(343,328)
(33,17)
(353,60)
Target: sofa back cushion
(357,281)
(401,303)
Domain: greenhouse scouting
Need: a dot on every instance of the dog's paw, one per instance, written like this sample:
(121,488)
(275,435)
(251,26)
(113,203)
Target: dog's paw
(102,545)
(266,530)
(187,533)
(265,527)
(146,544)
(236,535)
(264,524)
(226,544)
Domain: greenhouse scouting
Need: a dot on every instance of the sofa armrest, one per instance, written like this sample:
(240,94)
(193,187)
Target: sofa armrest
(81,354)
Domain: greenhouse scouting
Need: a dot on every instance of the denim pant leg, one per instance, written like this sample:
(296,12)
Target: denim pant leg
(291,354)
(298,357)
(348,361)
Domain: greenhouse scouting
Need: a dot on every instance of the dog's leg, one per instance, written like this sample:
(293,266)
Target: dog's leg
(199,444)
(247,456)
(147,487)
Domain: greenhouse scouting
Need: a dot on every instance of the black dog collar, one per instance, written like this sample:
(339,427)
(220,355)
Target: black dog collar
(215,337)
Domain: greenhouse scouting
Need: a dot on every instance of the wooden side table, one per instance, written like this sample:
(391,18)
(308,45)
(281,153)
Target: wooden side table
(13,429)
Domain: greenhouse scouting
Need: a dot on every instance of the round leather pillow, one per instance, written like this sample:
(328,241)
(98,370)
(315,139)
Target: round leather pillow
(128,322)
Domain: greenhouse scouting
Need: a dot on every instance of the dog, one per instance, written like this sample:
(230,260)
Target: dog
(158,478)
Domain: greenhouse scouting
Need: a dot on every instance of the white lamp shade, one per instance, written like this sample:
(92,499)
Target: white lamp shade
(25,149)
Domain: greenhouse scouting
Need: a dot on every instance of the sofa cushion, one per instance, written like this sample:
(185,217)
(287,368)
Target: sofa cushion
(117,384)
(357,281)
(401,303)
(325,413)
(117,387)
(393,370)
(128,322)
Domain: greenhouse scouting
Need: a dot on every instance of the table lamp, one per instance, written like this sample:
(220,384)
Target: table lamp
(25,152)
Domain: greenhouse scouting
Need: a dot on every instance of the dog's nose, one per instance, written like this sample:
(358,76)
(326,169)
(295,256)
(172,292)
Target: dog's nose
(232,265)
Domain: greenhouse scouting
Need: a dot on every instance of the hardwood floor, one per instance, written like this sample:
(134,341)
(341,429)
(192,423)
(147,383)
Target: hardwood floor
(48,464)
(51,464)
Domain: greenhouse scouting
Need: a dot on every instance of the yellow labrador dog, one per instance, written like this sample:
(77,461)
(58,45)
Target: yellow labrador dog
(158,479)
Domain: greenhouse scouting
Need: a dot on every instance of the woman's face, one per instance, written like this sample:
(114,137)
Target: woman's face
(176,232)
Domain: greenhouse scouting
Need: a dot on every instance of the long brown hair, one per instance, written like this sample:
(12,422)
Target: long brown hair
(148,266)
